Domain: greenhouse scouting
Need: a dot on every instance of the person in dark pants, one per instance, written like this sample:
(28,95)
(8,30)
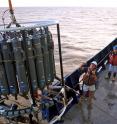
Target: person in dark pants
(112,64)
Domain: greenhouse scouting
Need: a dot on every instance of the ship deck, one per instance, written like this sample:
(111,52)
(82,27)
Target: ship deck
(104,110)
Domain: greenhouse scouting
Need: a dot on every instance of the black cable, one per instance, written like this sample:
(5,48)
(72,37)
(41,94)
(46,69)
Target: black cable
(3,19)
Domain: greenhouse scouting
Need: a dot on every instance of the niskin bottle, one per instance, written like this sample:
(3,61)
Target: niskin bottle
(19,56)
(39,60)
(31,62)
(9,67)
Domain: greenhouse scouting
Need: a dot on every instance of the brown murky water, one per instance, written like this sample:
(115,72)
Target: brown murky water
(84,31)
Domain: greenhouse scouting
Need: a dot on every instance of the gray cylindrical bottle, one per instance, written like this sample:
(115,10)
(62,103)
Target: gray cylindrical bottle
(19,56)
(39,60)
(51,53)
(9,67)
(31,58)
(44,45)
(4,88)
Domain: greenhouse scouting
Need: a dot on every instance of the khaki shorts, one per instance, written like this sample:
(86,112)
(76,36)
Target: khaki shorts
(88,88)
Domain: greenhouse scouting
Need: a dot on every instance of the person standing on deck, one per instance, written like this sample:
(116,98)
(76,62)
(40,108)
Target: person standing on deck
(89,81)
(112,64)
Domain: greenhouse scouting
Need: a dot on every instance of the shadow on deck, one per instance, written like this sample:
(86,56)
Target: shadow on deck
(104,109)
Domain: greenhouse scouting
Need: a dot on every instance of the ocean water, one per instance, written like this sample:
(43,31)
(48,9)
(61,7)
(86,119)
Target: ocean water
(84,31)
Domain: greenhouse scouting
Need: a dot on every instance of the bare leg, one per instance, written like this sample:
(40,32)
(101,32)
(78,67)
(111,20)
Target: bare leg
(91,96)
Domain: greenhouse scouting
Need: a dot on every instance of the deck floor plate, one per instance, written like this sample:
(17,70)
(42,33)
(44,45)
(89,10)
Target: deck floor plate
(104,109)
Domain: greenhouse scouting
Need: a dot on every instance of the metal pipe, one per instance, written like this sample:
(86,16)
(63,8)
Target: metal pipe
(13,19)
(36,24)
(61,64)
(60,55)
(10,6)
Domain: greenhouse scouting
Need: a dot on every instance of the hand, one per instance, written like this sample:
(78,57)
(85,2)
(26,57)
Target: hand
(81,66)
(87,74)
(93,72)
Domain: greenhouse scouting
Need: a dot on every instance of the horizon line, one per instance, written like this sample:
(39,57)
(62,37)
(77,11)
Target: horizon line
(65,6)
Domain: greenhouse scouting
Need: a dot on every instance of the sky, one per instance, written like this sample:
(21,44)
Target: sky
(40,3)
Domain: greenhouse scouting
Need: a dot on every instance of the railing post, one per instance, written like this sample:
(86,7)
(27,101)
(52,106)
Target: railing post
(61,63)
